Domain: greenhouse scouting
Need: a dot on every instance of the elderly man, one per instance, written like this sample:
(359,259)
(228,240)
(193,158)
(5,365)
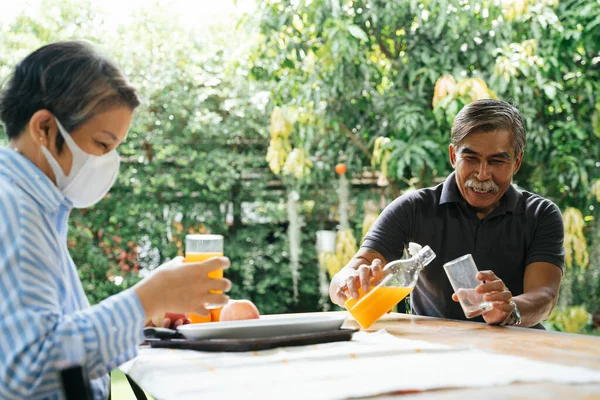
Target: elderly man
(515,237)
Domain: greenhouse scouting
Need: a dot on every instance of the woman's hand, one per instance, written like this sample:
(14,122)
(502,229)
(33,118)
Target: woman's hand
(170,320)
(182,288)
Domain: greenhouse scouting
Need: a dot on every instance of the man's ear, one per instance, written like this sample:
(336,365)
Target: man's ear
(42,127)
(518,162)
(452,153)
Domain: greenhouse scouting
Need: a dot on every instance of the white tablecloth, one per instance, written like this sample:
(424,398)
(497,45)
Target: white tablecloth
(371,364)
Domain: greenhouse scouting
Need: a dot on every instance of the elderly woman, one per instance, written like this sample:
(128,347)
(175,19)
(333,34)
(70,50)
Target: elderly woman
(66,109)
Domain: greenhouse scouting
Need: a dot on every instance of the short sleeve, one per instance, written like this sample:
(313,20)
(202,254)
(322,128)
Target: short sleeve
(547,244)
(390,232)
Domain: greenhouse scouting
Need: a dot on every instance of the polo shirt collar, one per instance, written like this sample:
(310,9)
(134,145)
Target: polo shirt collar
(450,192)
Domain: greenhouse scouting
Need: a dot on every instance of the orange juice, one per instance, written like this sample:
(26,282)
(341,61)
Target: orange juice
(199,319)
(217,274)
(215,314)
(369,307)
(200,257)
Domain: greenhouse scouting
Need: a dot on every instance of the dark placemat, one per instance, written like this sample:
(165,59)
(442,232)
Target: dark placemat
(239,345)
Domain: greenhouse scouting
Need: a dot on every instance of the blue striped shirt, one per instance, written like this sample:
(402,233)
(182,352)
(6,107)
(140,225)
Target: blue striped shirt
(44,313)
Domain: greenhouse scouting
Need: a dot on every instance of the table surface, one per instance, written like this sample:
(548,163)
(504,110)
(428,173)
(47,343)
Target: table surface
(538,345)
(534,344)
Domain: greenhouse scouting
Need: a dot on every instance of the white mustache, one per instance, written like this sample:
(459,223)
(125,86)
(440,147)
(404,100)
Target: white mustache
(485,186)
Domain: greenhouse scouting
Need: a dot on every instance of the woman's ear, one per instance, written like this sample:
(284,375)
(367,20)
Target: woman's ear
(42,128)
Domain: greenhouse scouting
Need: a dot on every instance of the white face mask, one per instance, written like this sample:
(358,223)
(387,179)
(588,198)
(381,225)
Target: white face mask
(90,178)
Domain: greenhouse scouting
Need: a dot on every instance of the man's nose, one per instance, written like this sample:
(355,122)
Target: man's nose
(483,173)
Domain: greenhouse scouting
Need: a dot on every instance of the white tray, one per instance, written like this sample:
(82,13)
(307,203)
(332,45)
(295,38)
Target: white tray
(266,326)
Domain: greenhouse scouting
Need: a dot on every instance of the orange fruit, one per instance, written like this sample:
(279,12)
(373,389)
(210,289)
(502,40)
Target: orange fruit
(341,169)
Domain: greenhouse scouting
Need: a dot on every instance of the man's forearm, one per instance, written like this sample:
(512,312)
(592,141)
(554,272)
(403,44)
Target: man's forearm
(535,306)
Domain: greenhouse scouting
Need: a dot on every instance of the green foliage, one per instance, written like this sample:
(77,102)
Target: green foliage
(194,160)
(372,68)
(571,320)
(373,65)
(106,264)
(194,156)
(581,286)
(262,274)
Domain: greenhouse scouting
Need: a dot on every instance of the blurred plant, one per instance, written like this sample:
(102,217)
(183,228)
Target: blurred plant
(297,164)
(343,75)
(279,147)
(330,262)
(445,87)
(414,155)
(449,97)
(345,247)
(518,58)
(380,159)
(572,319)
(371,212)
(595,190)
(514,9)
(525,10)
(575,243)
(343,193)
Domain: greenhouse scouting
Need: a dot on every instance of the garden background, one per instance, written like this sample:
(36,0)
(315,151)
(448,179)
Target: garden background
(247,111)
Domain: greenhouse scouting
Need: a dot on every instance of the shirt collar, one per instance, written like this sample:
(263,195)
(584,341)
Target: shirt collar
(508,203)
(510,200)
(450,192)
(31,180)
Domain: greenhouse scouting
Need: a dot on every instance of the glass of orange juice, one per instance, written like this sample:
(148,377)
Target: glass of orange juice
(200,248)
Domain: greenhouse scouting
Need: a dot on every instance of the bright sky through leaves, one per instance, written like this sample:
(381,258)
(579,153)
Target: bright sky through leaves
(192,13)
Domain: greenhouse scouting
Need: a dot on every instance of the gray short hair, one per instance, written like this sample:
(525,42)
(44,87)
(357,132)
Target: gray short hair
(489,115)
(71,79)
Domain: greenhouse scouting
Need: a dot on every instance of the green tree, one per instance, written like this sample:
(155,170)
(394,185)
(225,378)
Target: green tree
(402,70)
(193,158)
(372,84)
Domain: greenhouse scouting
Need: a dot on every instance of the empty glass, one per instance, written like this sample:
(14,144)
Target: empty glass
(462,273)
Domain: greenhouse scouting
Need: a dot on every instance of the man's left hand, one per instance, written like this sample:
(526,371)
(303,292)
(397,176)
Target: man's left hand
(495,291)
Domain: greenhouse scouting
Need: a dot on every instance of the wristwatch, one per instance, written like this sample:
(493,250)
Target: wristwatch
(514,318)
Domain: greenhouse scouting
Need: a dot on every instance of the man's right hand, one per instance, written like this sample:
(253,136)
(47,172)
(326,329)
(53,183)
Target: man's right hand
(345,284)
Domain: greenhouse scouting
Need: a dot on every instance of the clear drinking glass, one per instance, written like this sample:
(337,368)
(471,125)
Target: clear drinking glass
(200,248)
(462,273)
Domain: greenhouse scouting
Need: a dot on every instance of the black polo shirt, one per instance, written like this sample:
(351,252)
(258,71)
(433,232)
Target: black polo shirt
(523,229)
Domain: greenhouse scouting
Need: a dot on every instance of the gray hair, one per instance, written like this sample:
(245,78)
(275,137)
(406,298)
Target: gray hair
(71,79)
(489,115)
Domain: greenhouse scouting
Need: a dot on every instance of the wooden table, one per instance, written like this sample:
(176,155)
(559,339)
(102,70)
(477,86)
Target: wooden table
(555,347)
(538,345)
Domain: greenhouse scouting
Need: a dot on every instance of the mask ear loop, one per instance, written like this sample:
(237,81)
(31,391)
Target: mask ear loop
(47,132)
(59,174)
